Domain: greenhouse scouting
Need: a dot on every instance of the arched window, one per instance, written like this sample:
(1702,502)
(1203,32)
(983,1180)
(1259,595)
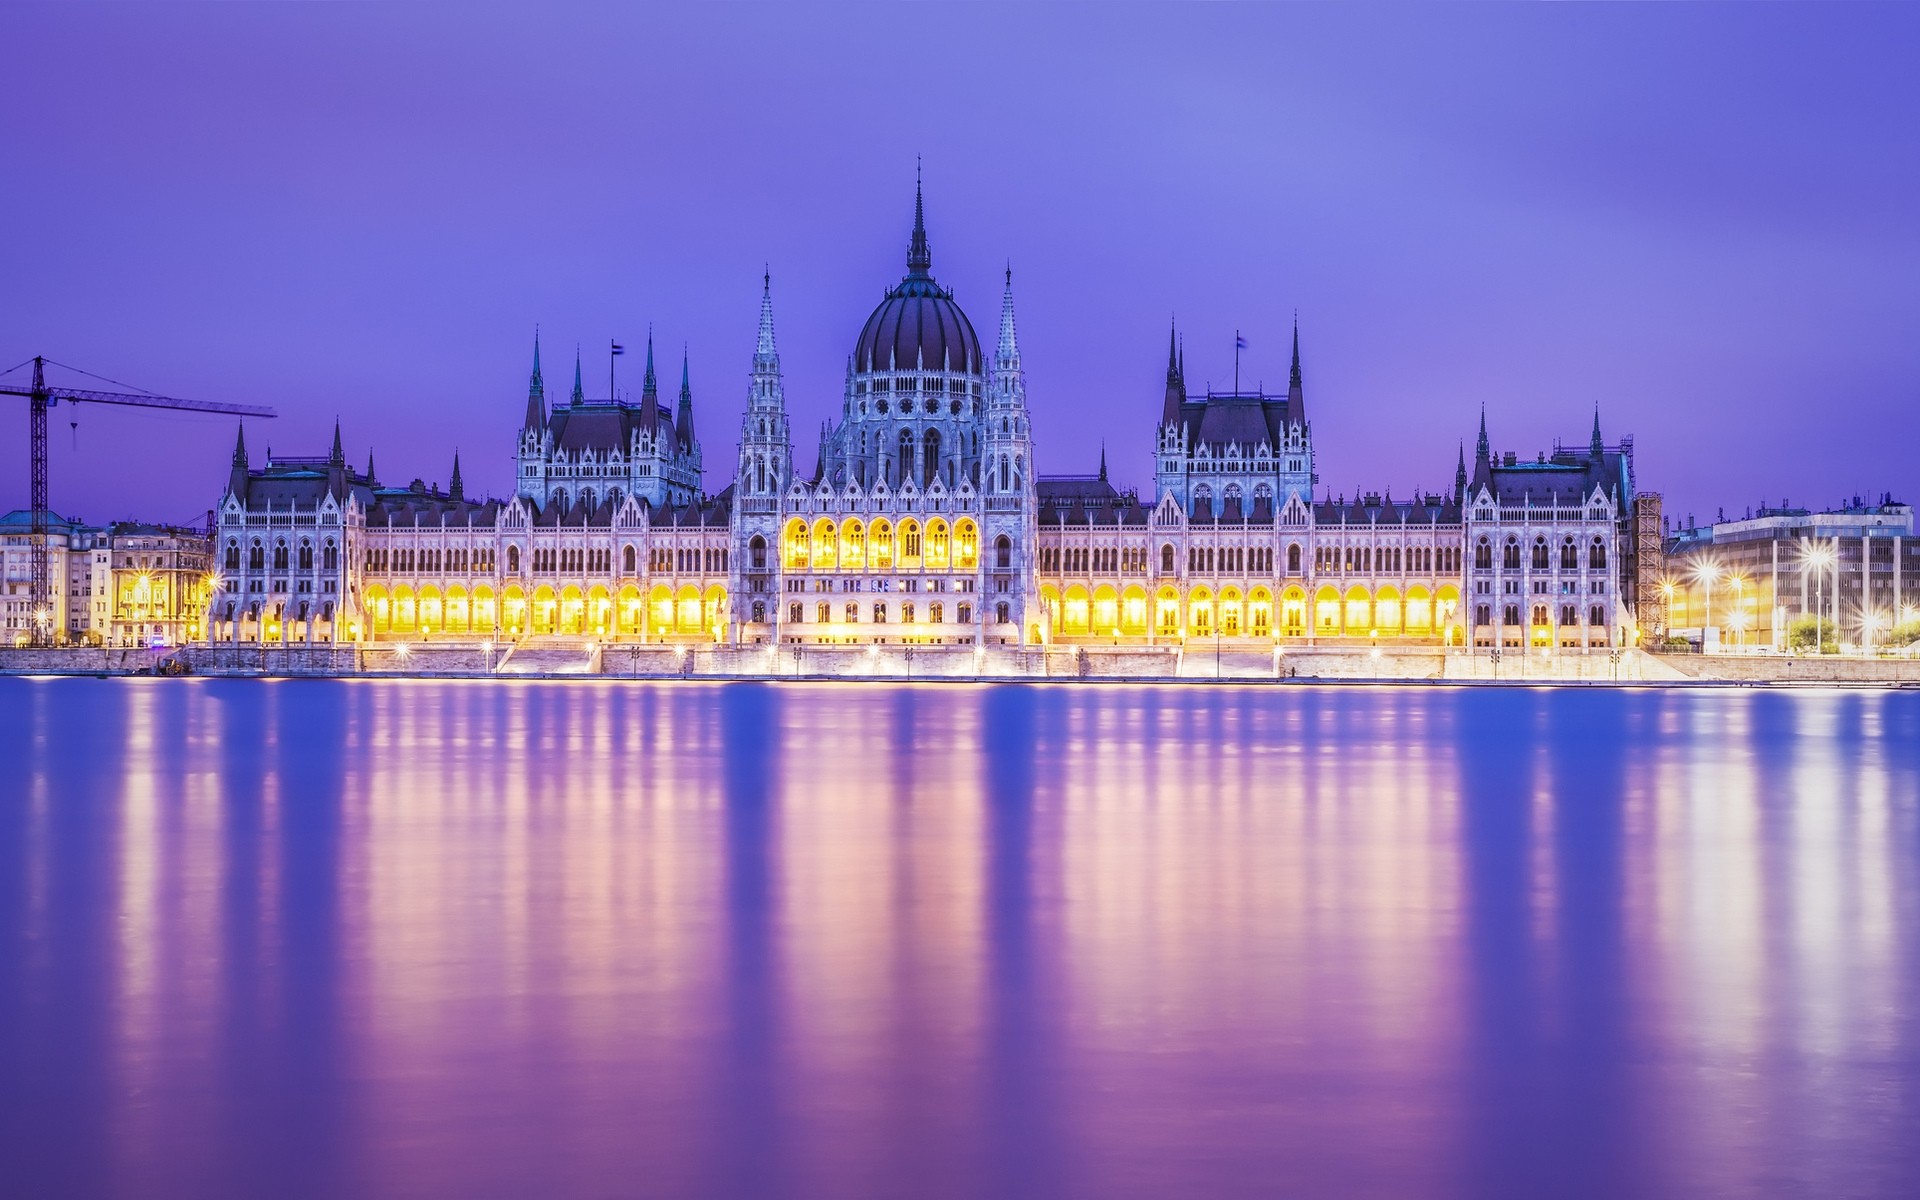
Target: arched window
(513,560)
(330,556)
(560,499)
(1510,555)
(233,555)
(1541,559)
(1569,556)
(1203,501)
(627,560)
(930,470)
(1293,559)
(306,555)
(757,551)
(1483,557)
(1597,556)
(1003,547)
(906,457)
(586,499)
(1166,558)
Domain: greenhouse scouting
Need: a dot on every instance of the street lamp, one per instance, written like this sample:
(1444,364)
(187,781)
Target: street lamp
(1706,573)
(1818,558)
(1739,621)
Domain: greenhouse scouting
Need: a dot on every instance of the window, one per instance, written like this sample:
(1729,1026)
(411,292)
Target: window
(796,613)
(513,559)
(1569,558)
(937,613)
(1597,556)
(880,614)
(823,612)
(1003,552)
(306,556)
(1568,615)
(1510,559)
(1597,615)
(1293,559)
(853,613)
(330,556)
(1511,614)
(1002,615)
(906,613)
(1483,556)
(1541,559)
(1482,615)
(966,614)
(627,561)
(257,556)
(757,552)
(233,556)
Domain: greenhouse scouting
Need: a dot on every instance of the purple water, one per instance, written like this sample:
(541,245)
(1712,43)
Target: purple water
(466,939)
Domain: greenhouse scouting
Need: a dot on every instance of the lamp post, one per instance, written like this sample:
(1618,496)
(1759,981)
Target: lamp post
(1818,558)
(1705,573)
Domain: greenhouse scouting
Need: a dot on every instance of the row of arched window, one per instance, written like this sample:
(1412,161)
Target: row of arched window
(1542,556)
(283,555)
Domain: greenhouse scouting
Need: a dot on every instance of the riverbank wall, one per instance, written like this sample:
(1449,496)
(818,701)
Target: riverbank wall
(563,659)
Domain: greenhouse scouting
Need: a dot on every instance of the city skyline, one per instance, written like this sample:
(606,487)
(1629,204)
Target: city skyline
(1445,246)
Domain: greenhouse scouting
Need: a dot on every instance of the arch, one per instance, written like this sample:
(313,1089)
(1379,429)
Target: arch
(543,610)
(1388,611)
(600,618)
(1419,615)
(485,610)
(628,609)
(713,612)
(660,608)
(686,609)
(1260,612)
(379,607)
(1076,611)
(515,611)
(825,545)
(939,548)
(1293,558)
(572,614)
(627,557)
(513,560)
(1357,609)
(1326,610)
(1106,609)
(1233,611)
(429,611)
(853,544)
(1293,611)
(1051,606)
(1133,610)
(930,459)
(794,549)
(909,545)
(1003,552)
(880,545)
(966,544)
(1200,612)
(1166,612)
(756,553)
(457,611)
(405,614)
(1166,558)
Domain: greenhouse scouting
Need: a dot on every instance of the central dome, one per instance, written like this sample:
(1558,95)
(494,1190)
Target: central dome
(918,326)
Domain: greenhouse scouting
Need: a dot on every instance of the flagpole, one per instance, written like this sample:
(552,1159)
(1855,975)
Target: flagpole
(1236,362)
(613,352)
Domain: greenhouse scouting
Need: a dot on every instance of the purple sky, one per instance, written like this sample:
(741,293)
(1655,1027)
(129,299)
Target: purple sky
(1706,220)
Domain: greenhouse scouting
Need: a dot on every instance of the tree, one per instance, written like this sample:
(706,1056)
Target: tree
(1811,633)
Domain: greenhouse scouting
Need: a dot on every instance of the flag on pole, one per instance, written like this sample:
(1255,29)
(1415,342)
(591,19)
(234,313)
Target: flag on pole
(618,348)
(1239,343)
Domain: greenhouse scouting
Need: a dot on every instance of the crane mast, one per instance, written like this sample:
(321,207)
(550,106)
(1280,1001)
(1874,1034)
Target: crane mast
(40,398)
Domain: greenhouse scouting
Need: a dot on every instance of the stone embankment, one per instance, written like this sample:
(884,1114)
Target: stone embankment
(585,658)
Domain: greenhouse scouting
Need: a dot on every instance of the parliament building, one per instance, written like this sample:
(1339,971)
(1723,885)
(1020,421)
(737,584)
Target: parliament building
(924,522)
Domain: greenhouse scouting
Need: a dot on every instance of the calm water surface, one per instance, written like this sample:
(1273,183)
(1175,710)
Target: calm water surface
(468,939)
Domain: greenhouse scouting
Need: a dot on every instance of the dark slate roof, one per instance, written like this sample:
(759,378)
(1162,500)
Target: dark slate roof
(918,323)
(1385,510)
(419,507)
(1245,418)
(304,482)
(603,426)
(1087,499)
(1565,477)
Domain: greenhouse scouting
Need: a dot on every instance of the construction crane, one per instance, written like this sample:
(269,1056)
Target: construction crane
(40,398)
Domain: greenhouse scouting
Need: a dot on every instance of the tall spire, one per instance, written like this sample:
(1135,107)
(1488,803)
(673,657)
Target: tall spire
(372,479)
(579,390)
(1460,475)
(1176,379)
(456,490)
(237,478)
(1598,448)
(1007,355)
(649,383)
(1296,394)
(1103,460)
(1293,378)
(683,420)
(919,257)
(536,390)
(337,457)
(765,356)
(1173,351)
(1480,450)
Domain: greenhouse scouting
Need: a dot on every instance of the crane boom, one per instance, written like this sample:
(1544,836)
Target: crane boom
(39,398)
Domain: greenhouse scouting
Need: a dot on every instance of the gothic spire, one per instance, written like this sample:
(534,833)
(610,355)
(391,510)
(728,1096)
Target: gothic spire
(683,420)
(536,389)
(237,478)
(1460,475)
(919,257)
(1480,451)
(1103,460)
(649,384)
(1598,448)
(456,490)
(372,479)
(579,391)
(1007,355)
(1296,395)
(1173,351)
(765,356)
(337,457)
(1176,379)
(1293,378)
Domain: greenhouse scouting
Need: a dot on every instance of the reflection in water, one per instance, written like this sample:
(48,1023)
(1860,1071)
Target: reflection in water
(412,939)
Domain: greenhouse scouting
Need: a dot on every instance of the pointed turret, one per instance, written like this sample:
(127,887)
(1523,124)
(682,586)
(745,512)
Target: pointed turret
(536,391)
(456,490)
(1460,476)
(919,255)
(237,477)
(1481,452)
(1597,448)
(1103,460)
(765,356)
(1006,355)
(1176,379)
(683,419)
(1296,395)
(372,479)
(649,389)
(579,390)
(337,457)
